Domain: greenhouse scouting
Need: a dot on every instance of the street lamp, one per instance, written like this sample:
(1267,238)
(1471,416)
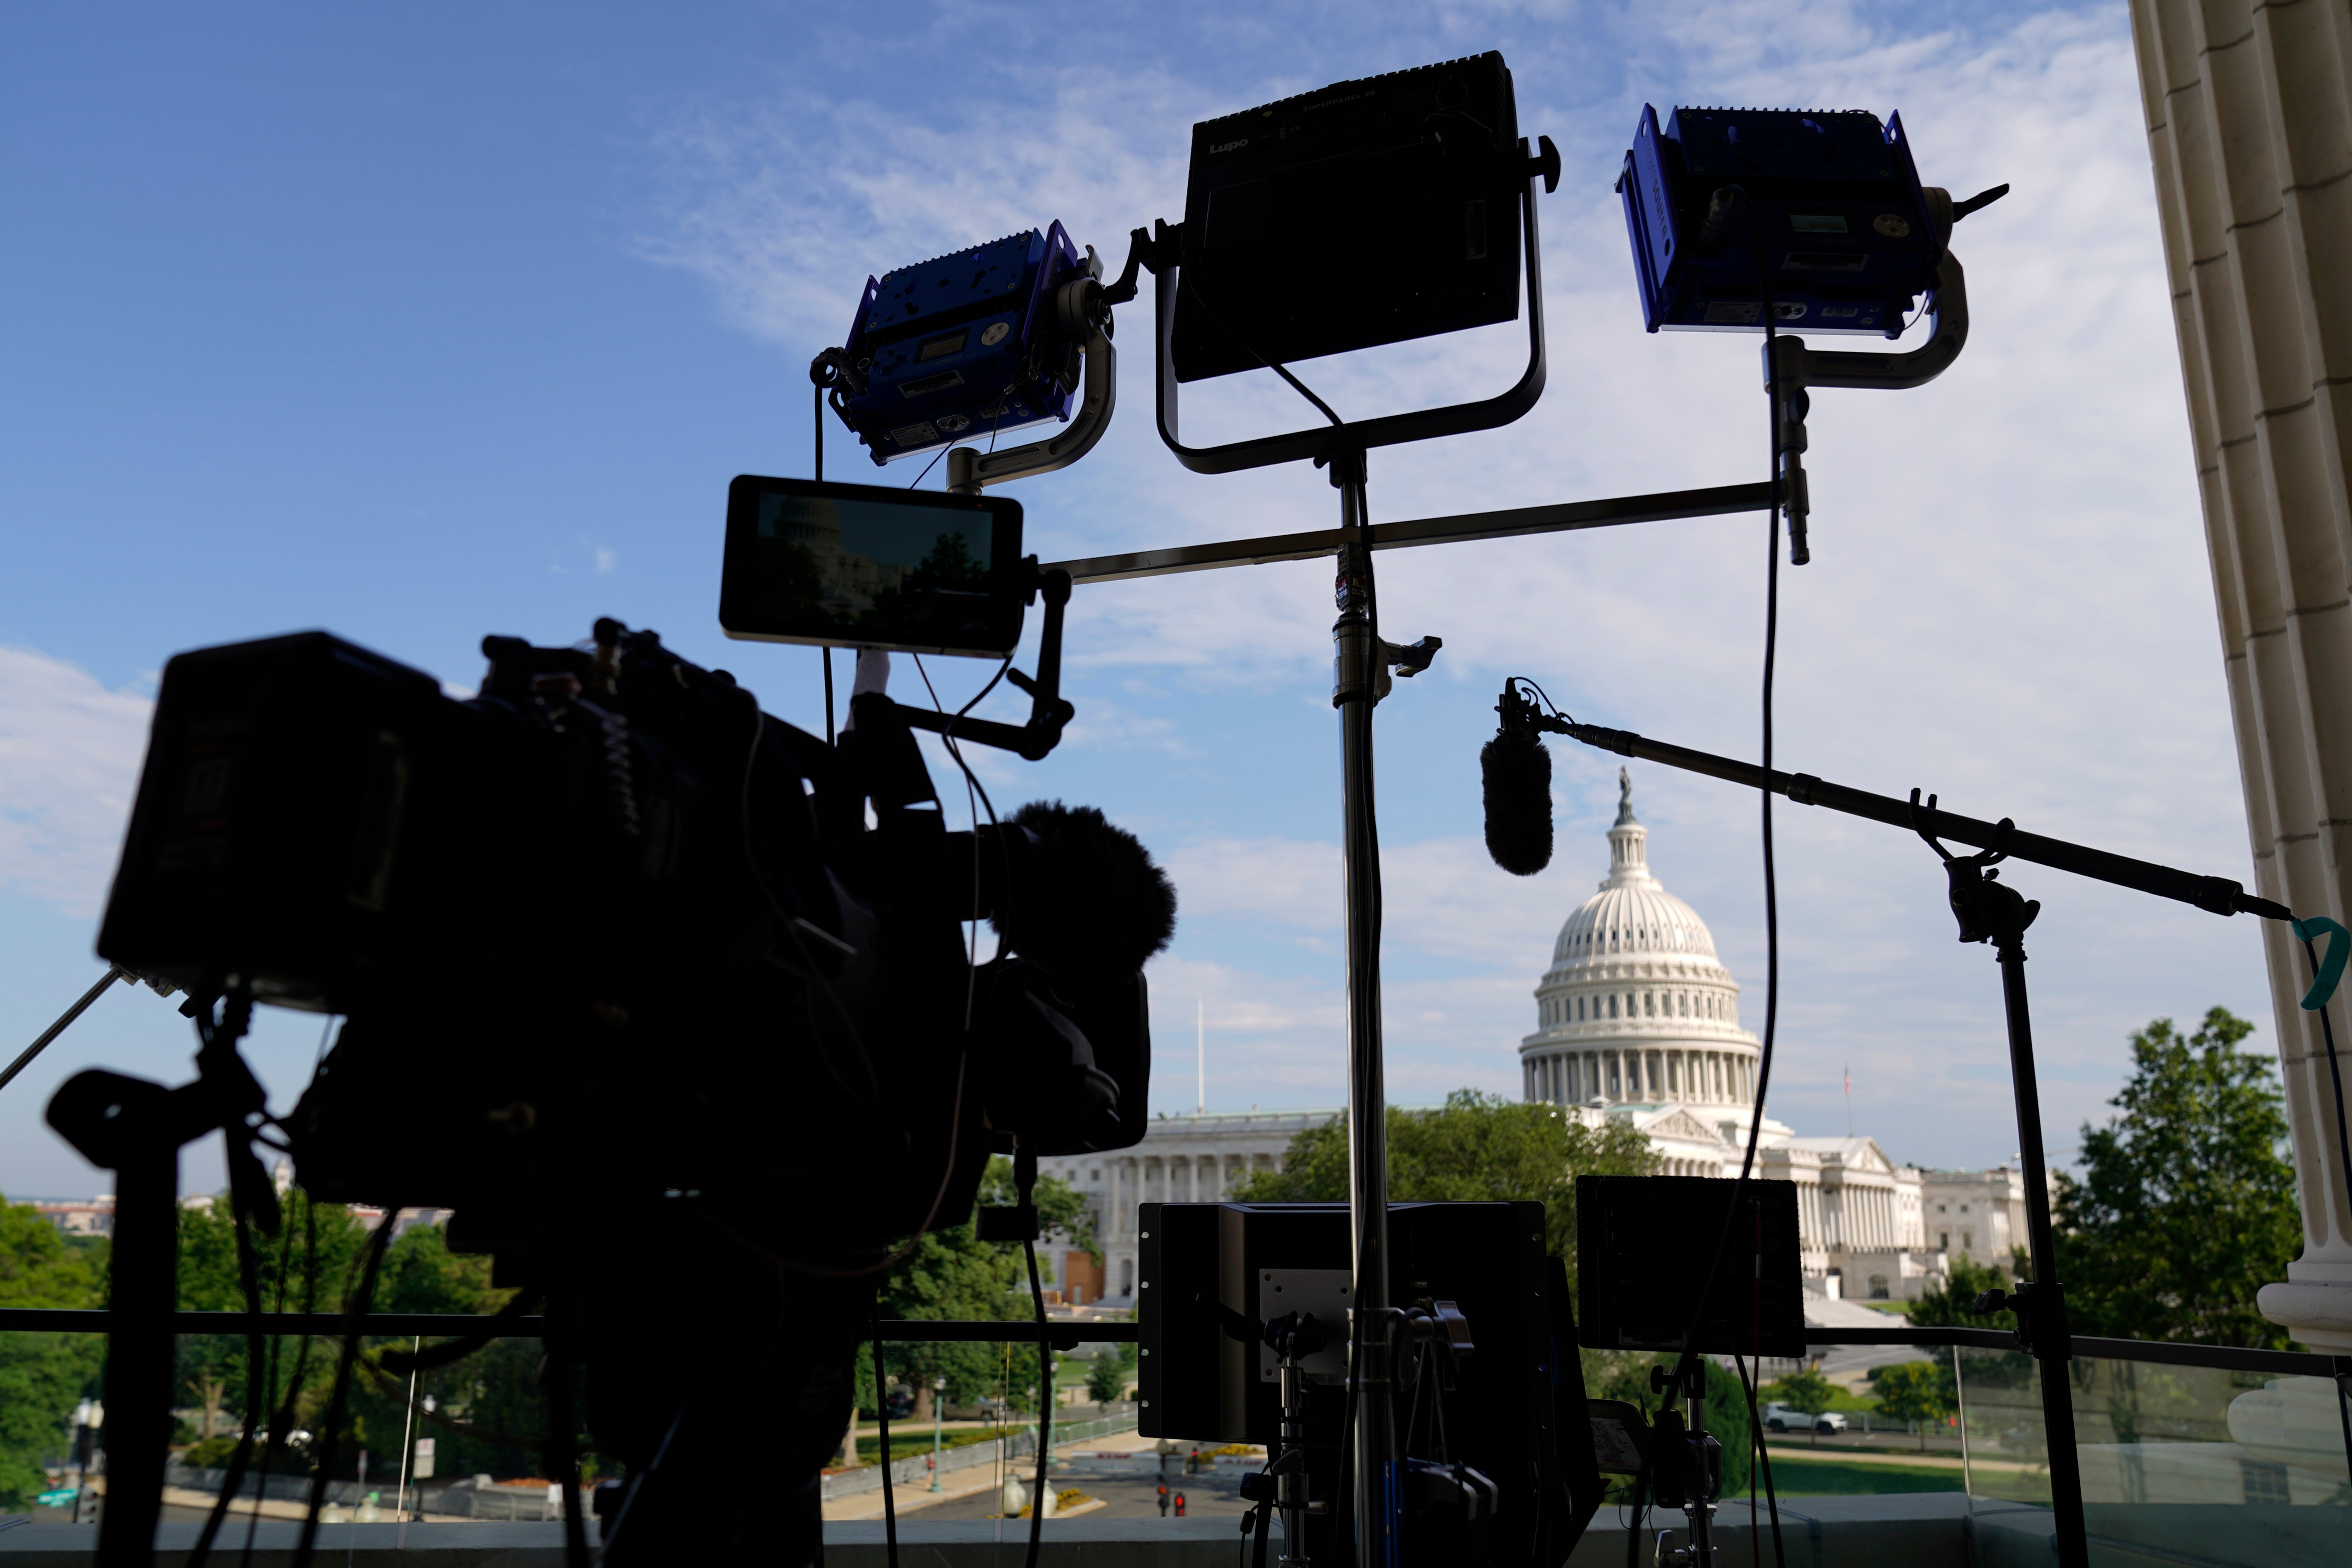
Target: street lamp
(938,1399)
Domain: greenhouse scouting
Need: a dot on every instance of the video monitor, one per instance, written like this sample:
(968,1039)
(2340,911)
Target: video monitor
(869,567)
(1367,212)
(1644,1246)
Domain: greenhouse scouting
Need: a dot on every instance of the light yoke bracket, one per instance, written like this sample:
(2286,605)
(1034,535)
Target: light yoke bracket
(1790,367)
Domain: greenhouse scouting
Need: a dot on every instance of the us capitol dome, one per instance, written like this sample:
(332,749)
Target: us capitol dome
(1638,1022)
(1636,1011)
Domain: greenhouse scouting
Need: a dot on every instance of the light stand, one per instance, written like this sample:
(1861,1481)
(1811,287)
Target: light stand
(136,1129)
(1991,911)
(1361,665)
(938,1400)
(1988,911)
(1689,1476)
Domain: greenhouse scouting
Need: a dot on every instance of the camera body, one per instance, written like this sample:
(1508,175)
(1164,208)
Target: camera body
(608,937)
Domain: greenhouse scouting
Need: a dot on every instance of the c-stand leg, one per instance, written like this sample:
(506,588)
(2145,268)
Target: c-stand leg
(1990,911)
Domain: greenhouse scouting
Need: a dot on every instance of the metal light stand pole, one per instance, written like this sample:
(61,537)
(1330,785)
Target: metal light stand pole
(1990,911)
(939,1402)
(1358,673)
(1361,677)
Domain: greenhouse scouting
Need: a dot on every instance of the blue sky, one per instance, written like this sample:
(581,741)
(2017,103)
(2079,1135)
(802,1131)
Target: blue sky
(459,320)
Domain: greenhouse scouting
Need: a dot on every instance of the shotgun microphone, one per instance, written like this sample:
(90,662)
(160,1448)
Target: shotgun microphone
(1517,772)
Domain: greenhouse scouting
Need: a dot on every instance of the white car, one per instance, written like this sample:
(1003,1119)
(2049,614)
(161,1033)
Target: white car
(1787,1417)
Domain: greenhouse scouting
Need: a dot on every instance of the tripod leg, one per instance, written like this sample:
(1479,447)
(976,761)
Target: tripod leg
(2053,1341)
(142,1290)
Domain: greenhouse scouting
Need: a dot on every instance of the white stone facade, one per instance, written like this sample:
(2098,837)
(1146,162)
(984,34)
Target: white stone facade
(1976,1215)
(1182,1158)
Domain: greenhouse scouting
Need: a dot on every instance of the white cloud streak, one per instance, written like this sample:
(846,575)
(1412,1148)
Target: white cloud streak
(69,756)
(2008,603)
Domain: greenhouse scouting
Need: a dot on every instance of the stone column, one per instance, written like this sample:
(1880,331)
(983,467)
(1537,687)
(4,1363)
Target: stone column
(2249,111)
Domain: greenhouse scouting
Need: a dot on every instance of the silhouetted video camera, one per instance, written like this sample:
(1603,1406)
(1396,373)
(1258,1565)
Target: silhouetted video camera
(608,927)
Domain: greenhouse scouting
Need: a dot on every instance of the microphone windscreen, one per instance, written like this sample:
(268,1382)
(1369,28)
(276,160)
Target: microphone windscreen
(1518,779)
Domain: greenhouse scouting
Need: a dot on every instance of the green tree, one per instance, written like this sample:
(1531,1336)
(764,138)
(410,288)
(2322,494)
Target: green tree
(1477,1147)
(1107,1380)
(1951,1304)
(42,1376)
(305,1268)
(2186,1207)
(1920,1391)
(485,1399)
(1806,1389)
(951,1273)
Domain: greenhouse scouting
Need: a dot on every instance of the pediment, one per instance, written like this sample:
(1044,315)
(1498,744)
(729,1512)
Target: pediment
(1681,1125)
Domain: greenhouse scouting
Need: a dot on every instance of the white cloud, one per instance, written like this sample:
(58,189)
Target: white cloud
(69,756)
(2010,601)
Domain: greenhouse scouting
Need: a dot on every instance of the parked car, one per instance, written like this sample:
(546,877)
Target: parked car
(1787,1417)
(899,1403)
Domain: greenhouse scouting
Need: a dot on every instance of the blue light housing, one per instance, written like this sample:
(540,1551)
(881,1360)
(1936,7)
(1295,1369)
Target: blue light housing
(962,347)
(1831,199)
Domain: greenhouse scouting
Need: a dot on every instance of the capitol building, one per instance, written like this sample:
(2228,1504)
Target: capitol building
(1638,1021)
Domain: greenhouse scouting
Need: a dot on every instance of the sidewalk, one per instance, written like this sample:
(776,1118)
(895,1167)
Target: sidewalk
(955,1484)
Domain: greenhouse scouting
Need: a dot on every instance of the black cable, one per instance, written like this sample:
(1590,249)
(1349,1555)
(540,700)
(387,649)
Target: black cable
(930,465)
(1764,1463)
(816,408)
(339,1401)
(1689,1356)
(1045,1391)
(256,1404)
(828,695)
(1297,385)
(974,791)
(789,924)
(882,1414)
(638,1479)
(282,1421)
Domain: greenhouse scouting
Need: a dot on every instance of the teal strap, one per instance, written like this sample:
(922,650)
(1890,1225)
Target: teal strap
(2331,967)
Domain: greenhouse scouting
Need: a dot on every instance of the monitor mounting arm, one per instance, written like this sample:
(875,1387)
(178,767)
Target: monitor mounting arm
(1048,709)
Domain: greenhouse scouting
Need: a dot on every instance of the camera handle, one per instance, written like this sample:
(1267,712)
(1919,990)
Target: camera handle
(1048,711)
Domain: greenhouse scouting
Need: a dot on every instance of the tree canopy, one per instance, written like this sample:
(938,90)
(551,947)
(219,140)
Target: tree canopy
(2186,1207)
(951,1273)
(42,1375)
(1475,1148)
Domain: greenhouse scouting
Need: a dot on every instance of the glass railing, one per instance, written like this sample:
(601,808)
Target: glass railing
(462,1444)
(2187,1453)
